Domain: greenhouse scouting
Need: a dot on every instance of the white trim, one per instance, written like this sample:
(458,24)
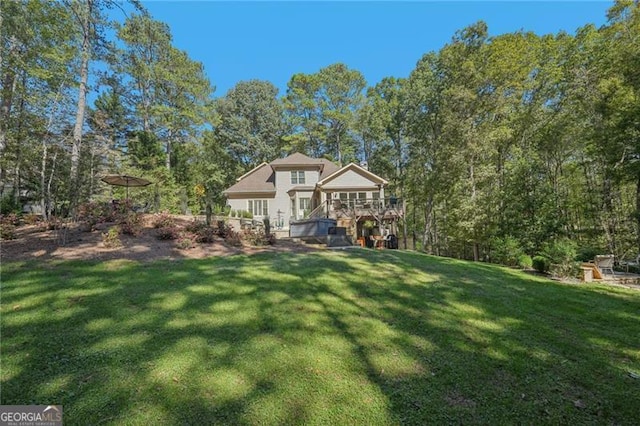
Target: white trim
(364,172)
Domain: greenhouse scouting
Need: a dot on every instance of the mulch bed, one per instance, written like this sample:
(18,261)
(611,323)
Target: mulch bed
(76,244)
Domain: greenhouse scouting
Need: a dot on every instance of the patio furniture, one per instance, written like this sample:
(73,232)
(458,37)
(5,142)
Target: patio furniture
(595,271)
(629,262)
(604,262)
(587,274)
(378,241)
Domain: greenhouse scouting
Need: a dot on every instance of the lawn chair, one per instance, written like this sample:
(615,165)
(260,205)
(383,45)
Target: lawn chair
(633,263)
(604,262)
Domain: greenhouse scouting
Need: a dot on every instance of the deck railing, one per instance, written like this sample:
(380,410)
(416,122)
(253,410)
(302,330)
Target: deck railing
(358,207)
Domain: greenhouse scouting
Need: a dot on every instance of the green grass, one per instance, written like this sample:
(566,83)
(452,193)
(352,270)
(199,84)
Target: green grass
(363,337)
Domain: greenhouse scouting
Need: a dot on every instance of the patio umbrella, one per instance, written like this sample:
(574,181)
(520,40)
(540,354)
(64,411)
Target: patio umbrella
(126,181)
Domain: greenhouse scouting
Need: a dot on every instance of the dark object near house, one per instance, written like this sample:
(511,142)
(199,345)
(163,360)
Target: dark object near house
(315,227)
(393,201)
(337,230)
(392,242)
(334,240)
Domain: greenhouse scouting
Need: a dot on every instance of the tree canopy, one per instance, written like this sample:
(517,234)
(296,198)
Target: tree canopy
(520,137)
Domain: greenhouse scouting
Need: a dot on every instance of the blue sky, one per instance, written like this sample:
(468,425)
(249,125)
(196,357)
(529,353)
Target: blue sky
(273,40)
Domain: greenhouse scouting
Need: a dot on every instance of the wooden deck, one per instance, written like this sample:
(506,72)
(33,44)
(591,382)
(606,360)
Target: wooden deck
(374,209)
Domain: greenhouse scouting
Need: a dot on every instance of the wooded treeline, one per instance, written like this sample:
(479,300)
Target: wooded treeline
(518,138)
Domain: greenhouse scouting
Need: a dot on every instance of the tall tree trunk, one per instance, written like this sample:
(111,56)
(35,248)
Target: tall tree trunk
(338,148)
(638,209)
(405,235)
(85,15)
(413,230)
(43,179)
(426,236)
(168,158)
(476,247)
(19,141)
(91,175)
(6,98)
(48,193)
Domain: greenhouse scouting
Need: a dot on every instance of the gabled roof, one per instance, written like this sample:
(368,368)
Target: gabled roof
(358,169)
(295,159)
(260,179)
(328,169)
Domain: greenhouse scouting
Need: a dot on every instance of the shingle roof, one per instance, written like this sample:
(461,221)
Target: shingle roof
(295,159)
(329,168)
(261,179)
(302,188)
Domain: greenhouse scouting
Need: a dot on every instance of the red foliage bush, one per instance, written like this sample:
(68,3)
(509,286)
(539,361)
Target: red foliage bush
(163,220)
(168,233)
(132,224)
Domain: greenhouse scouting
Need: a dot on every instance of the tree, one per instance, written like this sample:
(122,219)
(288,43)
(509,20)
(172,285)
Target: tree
(323,108)
(169,91)
(251,123)
(384,121)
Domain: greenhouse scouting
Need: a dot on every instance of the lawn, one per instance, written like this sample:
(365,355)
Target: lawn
(359,337)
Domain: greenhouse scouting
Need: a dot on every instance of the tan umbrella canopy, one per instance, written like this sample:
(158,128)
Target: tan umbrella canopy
(126,181)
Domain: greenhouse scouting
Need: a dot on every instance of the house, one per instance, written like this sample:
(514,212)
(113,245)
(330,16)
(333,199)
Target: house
(298,187)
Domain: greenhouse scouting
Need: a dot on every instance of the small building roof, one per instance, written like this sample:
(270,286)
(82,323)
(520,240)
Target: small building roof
(301,188)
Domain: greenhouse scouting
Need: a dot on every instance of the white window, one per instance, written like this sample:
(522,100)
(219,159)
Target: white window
(305,203)
(297,177)
(258,207)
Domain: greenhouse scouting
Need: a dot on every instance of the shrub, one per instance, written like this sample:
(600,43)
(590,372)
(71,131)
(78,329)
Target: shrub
(588,253)
(233,238)
(132,224)
(32,219)
(506,251)
(258,238)
(246,214)
(206,235)
(8,204)
(163,220)
(111,238)
(223,229)
(267,225)
(195,226)
(54,223)
(92,213)
(560,251)
(10,219)
(525,261)
(7,231)
(186,240)
(168,233)
(561,255)
(541,264)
